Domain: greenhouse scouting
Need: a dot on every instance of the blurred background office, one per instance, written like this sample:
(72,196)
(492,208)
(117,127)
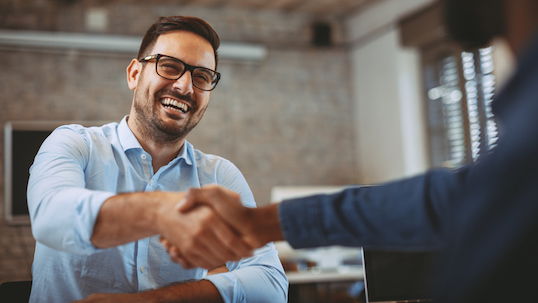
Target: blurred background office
(313,92)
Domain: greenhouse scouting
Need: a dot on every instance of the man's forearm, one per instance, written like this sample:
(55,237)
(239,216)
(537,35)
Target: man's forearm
(197,291)
(190,292)
(128,217)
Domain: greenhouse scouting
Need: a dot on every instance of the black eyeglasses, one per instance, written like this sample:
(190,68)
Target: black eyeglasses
(172,69)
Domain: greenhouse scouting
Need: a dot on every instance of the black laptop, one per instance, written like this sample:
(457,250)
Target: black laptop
(396,276)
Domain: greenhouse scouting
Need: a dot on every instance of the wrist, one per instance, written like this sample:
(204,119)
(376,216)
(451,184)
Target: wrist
(164,207)
(124,218)
(267,223)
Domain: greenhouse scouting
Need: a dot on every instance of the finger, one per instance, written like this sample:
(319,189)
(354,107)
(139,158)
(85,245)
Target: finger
(210,242)
(219,267)
(165,242)
(174,254)
(196,196)
(172,251)
(203,255)
(216,245)
(195,259)
(184,263)
(208,253)
(236,247)
(225,202)
(189,201)
(201,249)
(176,257)
(227,205)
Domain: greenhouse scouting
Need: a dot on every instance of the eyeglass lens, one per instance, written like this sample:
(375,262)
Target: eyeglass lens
(172,69)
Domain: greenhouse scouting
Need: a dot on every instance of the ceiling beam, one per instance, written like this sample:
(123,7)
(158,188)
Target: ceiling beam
(110,44)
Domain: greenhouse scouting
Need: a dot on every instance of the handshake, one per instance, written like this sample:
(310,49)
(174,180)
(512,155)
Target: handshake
(216,228)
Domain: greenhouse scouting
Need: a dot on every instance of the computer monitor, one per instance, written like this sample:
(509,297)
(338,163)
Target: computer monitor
(398,276)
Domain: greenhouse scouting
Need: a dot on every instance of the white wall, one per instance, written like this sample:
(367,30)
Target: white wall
(386,87)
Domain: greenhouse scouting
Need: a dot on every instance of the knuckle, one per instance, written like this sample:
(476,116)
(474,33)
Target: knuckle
(189,243)
(217,190)
(206,216)
(198,232)
(232,242)
(192,191)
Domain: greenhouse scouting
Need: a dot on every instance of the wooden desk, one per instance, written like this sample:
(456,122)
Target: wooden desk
(315,286)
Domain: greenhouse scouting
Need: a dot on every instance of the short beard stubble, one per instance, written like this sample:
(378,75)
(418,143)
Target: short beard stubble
(152,127)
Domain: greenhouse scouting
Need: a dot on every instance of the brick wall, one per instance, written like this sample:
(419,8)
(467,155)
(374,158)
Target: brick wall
(286,120)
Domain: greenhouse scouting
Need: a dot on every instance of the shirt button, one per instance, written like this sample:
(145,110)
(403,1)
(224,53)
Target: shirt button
(151,182)
(142,268)
(143,157)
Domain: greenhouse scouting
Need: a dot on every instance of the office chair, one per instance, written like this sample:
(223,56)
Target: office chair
(15,292)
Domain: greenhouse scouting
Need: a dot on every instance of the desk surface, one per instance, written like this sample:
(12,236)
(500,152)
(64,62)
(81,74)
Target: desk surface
(343,274)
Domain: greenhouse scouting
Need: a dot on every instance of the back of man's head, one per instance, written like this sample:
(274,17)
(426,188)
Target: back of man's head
(474,23)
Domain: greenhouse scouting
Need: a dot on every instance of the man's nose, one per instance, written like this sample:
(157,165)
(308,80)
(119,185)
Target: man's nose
(184,83)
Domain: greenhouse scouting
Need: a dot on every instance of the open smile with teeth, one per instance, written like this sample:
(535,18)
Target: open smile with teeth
(175,105)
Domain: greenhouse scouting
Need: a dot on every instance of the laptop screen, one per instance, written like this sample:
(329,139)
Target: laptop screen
(397,276)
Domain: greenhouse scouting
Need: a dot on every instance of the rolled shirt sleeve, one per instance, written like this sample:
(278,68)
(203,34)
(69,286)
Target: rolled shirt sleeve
(404,214)
(62,210)
(260,278)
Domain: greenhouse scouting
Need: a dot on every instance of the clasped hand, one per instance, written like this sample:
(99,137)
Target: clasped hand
(215,228)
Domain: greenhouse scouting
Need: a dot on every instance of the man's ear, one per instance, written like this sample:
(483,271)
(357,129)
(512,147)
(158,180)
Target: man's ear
(133,73)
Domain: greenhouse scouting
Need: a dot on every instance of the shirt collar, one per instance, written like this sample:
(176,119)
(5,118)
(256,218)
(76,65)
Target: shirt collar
(127,138)
(128,141)
(186,152)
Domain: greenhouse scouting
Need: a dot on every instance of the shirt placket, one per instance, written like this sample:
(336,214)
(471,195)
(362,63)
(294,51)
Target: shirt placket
(142,267)
(142,273)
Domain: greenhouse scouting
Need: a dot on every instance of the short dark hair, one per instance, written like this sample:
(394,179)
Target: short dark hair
(172,23)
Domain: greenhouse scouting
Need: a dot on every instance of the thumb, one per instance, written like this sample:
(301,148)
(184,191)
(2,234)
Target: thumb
(186,204)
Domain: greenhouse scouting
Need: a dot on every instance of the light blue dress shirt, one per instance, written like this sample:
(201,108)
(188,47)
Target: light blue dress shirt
(76,170)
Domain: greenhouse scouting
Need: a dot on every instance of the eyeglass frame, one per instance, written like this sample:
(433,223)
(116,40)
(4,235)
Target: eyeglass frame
(188,67)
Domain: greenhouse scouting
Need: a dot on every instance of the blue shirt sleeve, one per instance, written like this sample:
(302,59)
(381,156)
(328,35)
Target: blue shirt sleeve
(260,278)
(404,214)
(62,210)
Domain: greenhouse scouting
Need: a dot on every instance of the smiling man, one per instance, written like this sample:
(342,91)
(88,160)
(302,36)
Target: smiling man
(100,197)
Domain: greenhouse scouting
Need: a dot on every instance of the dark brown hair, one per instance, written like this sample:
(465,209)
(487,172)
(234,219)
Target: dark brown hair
(172,23)
(473,24)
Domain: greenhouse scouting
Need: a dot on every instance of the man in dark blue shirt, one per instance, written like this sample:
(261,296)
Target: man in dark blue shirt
(483,218)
